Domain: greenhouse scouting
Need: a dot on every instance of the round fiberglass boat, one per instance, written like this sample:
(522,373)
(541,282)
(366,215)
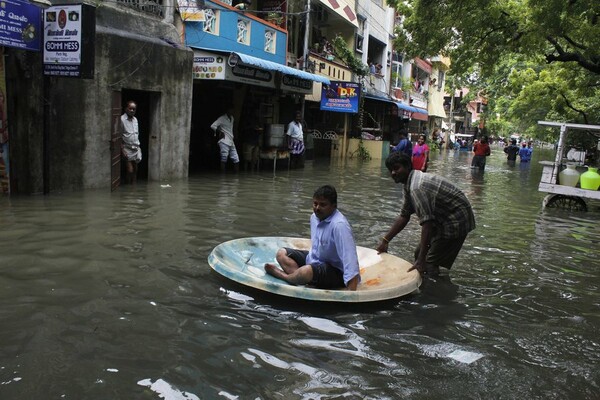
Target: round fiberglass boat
(383,276)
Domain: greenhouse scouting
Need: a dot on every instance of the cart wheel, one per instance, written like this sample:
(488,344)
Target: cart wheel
(563,202)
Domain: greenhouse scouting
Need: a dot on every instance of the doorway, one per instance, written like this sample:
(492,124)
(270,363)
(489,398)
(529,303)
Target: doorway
(146,105)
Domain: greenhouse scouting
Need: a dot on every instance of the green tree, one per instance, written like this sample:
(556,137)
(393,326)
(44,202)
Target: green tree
(486,31)
(532,59)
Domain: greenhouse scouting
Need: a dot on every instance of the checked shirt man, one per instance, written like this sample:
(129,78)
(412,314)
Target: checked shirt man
(444,213)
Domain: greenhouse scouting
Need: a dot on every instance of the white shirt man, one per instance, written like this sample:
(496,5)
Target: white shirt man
(223,126)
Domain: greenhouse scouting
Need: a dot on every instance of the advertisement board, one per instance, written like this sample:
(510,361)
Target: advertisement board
(20,25)
(340,97)
(209,65)
(69,32)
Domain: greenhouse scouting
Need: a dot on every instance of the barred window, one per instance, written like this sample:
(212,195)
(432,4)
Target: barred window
(211,25)
(270,41)
(243,31)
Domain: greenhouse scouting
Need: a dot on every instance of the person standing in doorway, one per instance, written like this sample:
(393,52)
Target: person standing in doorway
(420,155)
(295,134)
(130,145)
(223,129)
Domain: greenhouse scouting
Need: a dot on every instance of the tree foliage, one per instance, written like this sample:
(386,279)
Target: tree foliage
(485,31)
(532,59)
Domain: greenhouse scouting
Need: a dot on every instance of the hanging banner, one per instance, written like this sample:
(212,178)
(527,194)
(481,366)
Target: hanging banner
(191,10)
(4,155)
(340,97)
(20,25)
(69,34)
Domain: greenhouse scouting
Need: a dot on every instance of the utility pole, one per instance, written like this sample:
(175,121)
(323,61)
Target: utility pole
(305,49)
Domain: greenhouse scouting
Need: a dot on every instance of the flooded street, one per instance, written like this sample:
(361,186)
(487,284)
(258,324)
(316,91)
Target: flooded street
(110,296)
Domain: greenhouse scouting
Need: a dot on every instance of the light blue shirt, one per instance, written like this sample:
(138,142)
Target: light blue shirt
(333,243)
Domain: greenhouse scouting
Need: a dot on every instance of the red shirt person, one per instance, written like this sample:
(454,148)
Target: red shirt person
(481,150)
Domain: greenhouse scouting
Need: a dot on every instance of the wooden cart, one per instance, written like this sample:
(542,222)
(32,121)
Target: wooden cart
(560,196)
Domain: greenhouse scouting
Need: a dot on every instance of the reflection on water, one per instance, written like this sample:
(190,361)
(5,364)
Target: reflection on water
(111,296)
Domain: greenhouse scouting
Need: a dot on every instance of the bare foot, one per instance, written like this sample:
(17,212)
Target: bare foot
(275,271)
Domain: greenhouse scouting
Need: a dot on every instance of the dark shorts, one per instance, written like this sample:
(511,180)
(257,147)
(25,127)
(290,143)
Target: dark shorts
(324,275)
(443,252)
(478,162)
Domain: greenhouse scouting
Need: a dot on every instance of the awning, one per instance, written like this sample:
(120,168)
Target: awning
(419,116)
(378,98)
(406,107)
(234,58)
(344,8)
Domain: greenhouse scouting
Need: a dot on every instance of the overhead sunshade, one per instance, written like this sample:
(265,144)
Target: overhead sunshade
(380,98)
(234,58)
(406,107)
(344,8)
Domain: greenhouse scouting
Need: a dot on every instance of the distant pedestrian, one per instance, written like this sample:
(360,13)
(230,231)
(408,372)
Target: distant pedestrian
(130,144)
(511,152)
(481,150)
(420,155)
(404,144)
(223,128)
(525,152)
(295,135)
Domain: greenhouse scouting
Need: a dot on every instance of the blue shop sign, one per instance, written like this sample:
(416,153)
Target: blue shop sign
(20,25)
(340,97)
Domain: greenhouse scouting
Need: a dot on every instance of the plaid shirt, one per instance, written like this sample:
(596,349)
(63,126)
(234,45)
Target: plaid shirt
(433,198)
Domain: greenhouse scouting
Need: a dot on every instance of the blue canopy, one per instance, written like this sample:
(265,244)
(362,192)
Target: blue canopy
(284,69)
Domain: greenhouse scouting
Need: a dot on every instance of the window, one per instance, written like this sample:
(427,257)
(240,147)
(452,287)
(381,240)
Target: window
(358,43)
(270,37)
(396,74)
(211,24)
(243,31)
(440,82)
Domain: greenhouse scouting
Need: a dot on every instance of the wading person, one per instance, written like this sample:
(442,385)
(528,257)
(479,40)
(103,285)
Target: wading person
(404,144)
(332,261)
(444,213)
(295,134)
(420,154)
(481,150)
(223,129)
(511,152)
(525,152)
(130,145)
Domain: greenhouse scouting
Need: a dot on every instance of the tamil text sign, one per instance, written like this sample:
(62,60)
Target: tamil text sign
(340,97)
(20,25)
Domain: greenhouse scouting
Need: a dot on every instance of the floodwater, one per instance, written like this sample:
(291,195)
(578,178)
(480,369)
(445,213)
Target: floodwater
(110,296)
